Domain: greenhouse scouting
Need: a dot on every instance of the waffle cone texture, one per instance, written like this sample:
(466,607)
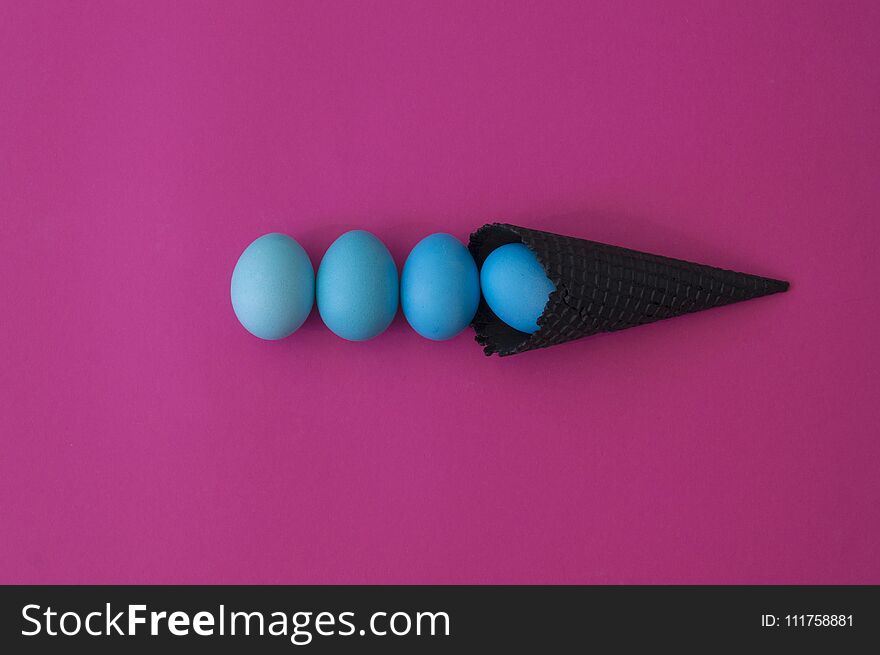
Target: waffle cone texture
(602,288)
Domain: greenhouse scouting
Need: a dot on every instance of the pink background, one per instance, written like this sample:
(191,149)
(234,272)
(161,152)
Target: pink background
(146,437)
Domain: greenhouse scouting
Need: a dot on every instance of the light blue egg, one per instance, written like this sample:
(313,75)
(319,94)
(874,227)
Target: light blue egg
(515,286)
(439,287)
(357,286)
(273,286)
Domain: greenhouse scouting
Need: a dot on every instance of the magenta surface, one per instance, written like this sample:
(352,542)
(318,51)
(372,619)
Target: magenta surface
(146,437)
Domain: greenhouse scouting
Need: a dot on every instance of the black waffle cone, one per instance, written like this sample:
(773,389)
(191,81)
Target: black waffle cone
(602,288)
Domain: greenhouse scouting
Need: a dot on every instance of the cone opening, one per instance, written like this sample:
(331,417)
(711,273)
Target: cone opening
(493,334)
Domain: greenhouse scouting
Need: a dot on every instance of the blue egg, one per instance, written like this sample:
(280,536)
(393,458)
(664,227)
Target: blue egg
(273,286)
(439,287)
(515,286)
(357,286)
